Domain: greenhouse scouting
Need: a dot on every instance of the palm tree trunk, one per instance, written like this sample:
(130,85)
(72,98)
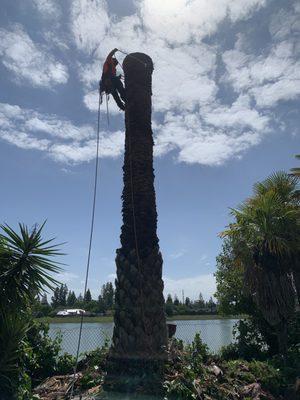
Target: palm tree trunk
(138,349)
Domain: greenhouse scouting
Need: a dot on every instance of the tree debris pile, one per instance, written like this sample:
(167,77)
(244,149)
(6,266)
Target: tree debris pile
(191,373)
(57,387)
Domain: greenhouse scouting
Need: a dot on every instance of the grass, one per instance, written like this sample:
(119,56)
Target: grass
(74,320)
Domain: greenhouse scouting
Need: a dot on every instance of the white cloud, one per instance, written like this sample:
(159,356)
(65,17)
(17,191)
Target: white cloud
(206,284)
(59,138)
(199,143)
(285,23)
(48,8)
(274,75)
(24,141)
(184,78)
(91,101)
(66,277)
(192,118)
(89,21)
(284,89)
(240,114)
(181,21)
(28,61)
(178,254)
(111,145)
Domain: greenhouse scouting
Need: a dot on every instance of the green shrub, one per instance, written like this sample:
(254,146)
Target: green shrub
(291,367)
(41,361)
(269,377)
(229,352)
(199,348)
(95,359)
(249,343)
(65,364)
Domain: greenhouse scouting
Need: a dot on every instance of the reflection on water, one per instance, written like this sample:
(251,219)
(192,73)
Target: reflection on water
(215,333)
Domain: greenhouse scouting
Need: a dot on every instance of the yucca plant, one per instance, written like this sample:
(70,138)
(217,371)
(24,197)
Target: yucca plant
(26,270)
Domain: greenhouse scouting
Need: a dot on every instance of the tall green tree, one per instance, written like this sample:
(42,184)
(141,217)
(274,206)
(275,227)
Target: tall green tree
(231,296)
(201,302)
(169,299)
(55,300)
(26,270)
(71,299)
(176,301)
(63,293)
(266,228)
(88,296)
(187,301)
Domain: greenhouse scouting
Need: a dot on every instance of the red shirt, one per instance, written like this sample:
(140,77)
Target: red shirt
(109,66)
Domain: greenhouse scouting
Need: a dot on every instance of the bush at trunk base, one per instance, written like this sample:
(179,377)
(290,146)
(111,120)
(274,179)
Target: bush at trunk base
(42,357)
(249,343)
(264,373)
(41,361)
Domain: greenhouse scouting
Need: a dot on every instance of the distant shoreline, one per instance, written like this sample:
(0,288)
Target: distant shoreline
(76,320)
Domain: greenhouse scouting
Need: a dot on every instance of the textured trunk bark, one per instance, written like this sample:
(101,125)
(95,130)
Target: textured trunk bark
(139,342)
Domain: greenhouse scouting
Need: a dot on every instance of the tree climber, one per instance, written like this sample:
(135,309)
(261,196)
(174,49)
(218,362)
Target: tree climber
(110,83)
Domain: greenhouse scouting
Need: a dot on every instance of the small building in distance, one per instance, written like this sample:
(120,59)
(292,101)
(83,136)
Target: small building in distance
(71,312)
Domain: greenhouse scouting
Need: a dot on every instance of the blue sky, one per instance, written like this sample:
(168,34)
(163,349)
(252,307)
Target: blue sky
(226,89)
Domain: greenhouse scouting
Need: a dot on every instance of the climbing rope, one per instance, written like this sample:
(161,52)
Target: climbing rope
(90,244)
(107,113)
(137,59)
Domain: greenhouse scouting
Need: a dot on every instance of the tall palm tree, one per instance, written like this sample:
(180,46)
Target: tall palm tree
(267,229)
(286,188)
(140,336)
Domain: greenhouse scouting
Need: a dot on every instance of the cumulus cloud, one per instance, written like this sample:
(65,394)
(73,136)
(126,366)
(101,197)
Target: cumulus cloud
(208,144)
(273,75)
(209,105)
(28,61)
(59,138)
(89,21)
(239,115)
(192,119)
(48,8)
(183,21)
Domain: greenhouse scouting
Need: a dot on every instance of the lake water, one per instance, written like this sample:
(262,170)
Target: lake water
(215,333)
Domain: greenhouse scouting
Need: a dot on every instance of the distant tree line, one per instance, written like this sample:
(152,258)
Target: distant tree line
(63,298)
(189,307)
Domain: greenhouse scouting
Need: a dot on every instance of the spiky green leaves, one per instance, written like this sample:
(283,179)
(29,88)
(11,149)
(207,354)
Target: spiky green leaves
(26,266)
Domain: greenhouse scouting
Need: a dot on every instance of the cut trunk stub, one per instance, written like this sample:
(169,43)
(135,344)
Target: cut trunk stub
(139,344)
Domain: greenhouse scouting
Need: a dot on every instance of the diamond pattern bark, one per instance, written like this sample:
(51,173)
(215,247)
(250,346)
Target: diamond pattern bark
(139,346)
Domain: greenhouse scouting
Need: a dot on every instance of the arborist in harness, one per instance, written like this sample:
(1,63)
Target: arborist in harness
(110,83)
